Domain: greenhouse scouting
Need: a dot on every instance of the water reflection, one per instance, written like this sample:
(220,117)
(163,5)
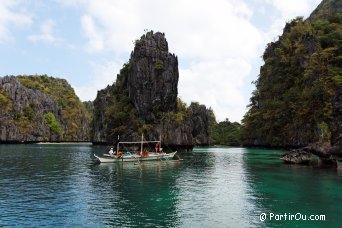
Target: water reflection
(58,185)
(140,194)
(217,191)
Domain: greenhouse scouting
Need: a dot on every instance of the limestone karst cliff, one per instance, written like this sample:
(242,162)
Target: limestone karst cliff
(152,78)
(41,108)
(293,104)
(143,100)
(336,129)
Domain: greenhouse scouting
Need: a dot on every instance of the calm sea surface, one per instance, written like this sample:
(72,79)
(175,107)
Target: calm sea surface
(58,185)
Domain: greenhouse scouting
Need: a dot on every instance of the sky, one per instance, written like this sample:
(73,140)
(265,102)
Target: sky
(219,43)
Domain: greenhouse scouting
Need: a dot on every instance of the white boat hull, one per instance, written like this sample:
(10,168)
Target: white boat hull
(136,158)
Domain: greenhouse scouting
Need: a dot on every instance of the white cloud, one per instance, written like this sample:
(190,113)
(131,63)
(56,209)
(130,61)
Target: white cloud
(110,25)
(95,40)
(9,18)
(221,86)
(104,73)
(288,10)
(293,8)
(46,34)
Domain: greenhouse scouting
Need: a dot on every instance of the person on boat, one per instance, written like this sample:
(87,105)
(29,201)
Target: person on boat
(157,147)
(111,152)
(120,154)
(145,153)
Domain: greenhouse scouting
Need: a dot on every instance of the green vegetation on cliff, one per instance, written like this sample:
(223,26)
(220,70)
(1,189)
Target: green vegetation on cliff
(53,123)
(25,120)
(120,114)
(5,102)
(291,105)
(74,115)
(325,9)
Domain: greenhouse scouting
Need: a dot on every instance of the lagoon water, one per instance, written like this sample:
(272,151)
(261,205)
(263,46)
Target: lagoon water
(58,185)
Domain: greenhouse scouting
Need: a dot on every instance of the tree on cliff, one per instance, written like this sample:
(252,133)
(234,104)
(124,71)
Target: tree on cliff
(292,103)
(53,123)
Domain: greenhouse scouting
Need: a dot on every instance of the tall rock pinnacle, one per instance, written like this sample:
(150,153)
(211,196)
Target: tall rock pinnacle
(153,76)
(143,100)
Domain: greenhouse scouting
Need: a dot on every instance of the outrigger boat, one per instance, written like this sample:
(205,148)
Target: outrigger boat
(143,156)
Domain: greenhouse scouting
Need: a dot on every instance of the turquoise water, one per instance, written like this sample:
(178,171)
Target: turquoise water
(58,185)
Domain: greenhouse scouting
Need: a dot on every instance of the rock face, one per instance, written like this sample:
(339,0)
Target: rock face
(297,157)
(200,122)
(303,155)
(99,124)
(292,104)
(21,97)
(319,149)
(325,9)
(153,78)
(30,115)
(336,131)
(143,100)
(191,130)
(328,154)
